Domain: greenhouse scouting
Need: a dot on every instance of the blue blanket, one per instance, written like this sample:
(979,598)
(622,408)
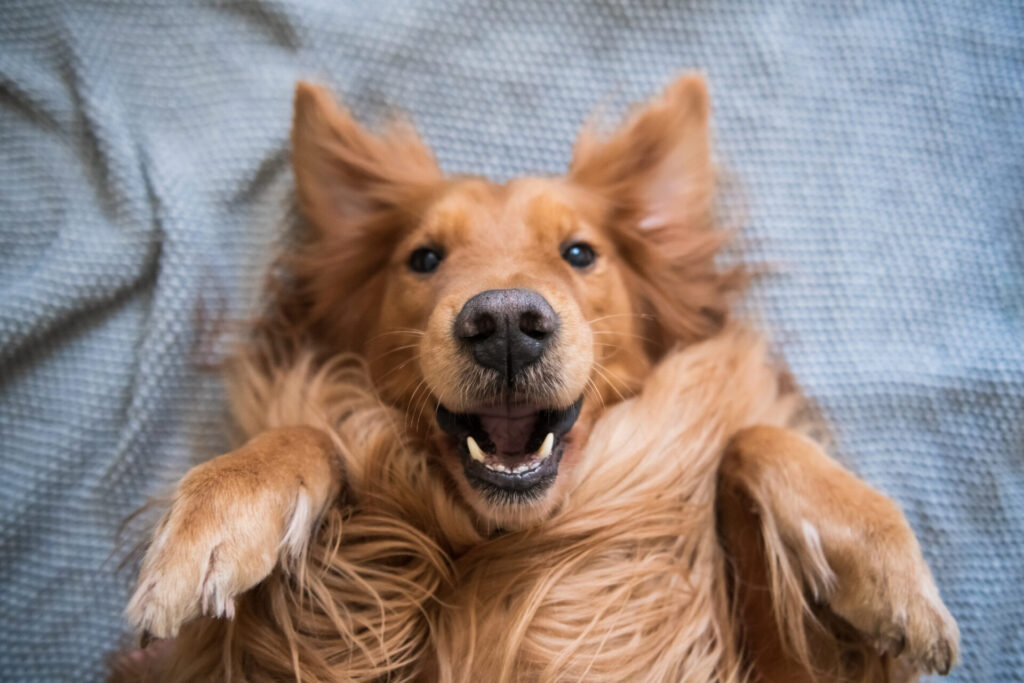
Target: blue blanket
(879,154)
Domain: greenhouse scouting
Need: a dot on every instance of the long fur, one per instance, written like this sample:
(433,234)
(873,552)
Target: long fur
(626,582)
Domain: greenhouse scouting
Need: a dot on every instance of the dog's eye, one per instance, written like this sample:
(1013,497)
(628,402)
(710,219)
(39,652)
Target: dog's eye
(579,254)
(425,260)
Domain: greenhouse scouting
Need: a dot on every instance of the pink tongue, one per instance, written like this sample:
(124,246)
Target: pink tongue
(509,432)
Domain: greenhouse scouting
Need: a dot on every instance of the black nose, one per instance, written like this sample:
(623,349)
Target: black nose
(506,329)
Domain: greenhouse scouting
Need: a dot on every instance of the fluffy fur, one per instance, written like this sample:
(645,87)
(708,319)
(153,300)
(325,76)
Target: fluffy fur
(693,532)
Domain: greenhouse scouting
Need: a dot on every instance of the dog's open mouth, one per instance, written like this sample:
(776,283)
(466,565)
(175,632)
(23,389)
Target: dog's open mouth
(510,453)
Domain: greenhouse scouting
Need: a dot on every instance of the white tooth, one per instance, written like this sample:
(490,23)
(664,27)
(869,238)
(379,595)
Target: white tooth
(545,448)
(474,450)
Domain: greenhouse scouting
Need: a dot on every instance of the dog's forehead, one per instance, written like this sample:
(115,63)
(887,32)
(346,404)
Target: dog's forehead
(526,210)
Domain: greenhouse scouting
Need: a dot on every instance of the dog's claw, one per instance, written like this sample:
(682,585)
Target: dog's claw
(899,646)
(941,660)
(892,645)
(906,618)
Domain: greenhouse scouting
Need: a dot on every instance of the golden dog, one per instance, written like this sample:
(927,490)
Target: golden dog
(510,432)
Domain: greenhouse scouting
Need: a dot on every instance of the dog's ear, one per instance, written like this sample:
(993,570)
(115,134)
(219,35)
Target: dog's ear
(655,174)
(347,176)
(359,192)
(656,166)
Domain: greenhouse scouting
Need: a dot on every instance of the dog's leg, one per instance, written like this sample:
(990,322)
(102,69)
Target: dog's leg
(231,521)
(843,542)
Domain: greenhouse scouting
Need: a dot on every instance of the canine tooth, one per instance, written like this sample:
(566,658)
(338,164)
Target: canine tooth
(474,449)
(545,448)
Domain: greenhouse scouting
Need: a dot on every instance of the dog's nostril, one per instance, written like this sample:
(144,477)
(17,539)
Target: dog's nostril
(536,324)
(477,327)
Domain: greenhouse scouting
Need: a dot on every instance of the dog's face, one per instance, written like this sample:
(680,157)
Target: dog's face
(525,318)
(503,318)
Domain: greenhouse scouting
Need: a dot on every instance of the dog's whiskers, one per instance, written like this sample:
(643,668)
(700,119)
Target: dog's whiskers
(628,334)
(412,398)
(591,386)
(642,316)
(608,377)
(616,348)
(409,381)
(385,354)
(397,331)
(427,396)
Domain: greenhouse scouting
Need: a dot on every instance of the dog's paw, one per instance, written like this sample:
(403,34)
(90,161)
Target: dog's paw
(223,534)
(891,597)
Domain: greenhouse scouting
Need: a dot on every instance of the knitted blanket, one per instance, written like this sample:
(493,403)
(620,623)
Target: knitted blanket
(878,149)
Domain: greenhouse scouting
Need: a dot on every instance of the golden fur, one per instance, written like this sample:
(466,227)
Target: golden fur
(692,532)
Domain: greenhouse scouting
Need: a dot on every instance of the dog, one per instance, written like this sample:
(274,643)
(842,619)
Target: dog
(504,432)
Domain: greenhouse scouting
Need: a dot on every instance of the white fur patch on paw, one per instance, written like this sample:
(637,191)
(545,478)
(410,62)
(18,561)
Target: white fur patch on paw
(300,526)
(817,572)
(215,599)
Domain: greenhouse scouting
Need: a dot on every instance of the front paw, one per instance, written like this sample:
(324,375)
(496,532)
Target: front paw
(888,593)
(223,534)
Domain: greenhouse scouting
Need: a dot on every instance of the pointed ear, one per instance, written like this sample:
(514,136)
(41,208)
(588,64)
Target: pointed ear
(656,168)
(345,175)
(359,191)
(654,175)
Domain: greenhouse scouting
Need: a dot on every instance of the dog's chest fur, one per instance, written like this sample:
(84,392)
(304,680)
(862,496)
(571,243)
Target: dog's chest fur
(624,581)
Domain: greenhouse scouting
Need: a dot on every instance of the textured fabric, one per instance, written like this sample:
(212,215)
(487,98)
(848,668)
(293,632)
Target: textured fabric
(879,154)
